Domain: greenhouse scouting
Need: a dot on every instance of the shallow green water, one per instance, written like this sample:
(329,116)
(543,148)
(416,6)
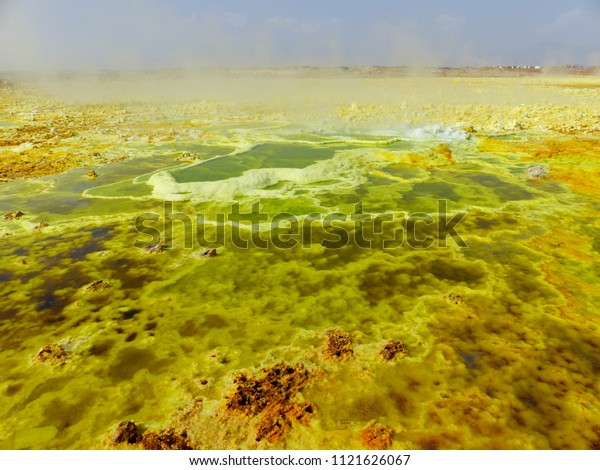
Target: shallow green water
(262,156)
(173,327)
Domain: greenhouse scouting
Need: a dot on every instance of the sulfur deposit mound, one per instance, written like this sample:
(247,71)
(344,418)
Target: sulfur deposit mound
(97,286)
(338,345)
(272,396)
(126,431)
(53,354)
(393,349)
(376,437)
(165,439)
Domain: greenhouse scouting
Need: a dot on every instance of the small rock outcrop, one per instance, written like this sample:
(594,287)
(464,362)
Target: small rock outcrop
(53,354)
(126,432)
(165,439)
(14,215)
(271,395)
(376,437)
(154,249)
(393,349)
(338,345)
(209,253)
(97,286)
(537,172)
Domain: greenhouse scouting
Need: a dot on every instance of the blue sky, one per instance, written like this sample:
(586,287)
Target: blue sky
(65,34)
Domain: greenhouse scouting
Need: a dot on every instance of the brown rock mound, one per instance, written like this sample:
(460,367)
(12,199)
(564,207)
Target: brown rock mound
(13,215)
(53,354)
(338,345)
(165,439)
(97,286)
(126,431)
(376,437)
(269,394)
(392,349)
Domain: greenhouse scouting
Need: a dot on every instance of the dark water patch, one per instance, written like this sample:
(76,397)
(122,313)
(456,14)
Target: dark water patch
(189,328)
(133,276)
(51,319)
(490,222)
(74,277)
(102,232)
(97,237)
(50,308)
(51,385)
(130,360)
(28,276)
(49,303)
(62,414)
(530,287)
(13,389)
(45,302)
(9,312)
(457,270)
(546,185)
(130,313)
(485,223)
(101,347)
(504,191)
(379,282)
(594,361)
(470,359)
(80,321)
(214,321)
(529,400)
(21,251)
(6,276)
(431,190)
(67,247)
(402,403)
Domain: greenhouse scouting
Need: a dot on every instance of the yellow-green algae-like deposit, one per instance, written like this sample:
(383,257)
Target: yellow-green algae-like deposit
(462,313)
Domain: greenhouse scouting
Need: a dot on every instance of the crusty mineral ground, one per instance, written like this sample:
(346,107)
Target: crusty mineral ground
(115,331)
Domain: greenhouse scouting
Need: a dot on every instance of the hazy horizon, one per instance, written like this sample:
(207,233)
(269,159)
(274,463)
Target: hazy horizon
(154,34)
